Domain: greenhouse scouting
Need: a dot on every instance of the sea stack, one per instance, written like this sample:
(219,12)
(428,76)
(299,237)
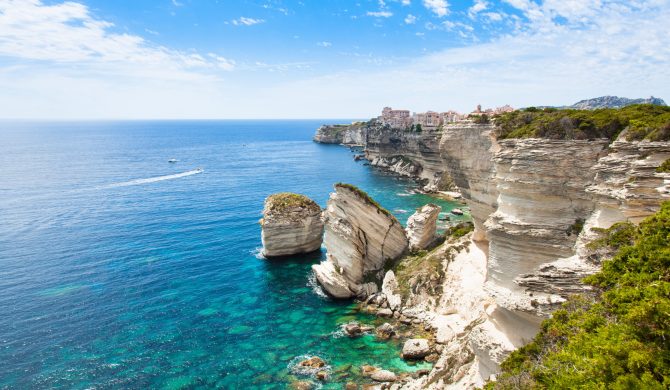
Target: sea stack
(422,227)
(291,224)
(360,238)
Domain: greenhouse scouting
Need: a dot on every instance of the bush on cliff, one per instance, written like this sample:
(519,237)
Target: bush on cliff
(618,338)
(642,121)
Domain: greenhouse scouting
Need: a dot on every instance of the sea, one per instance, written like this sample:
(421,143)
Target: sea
(122,270)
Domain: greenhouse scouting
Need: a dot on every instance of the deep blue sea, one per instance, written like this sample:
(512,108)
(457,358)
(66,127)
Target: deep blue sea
(121,270)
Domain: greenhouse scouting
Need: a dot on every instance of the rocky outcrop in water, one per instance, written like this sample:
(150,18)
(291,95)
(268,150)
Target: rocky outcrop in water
(291,225)
(360,237)
(422,227)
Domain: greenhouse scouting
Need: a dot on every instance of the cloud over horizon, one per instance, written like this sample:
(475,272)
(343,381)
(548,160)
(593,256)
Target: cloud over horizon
(62,60)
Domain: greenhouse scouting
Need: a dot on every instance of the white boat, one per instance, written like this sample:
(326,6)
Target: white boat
(172,160)
(457,212)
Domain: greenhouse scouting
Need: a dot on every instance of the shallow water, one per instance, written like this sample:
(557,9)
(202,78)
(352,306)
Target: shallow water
(119,269)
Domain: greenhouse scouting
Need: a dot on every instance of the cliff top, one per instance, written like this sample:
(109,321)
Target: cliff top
(364,195)
(640,122)
(287,200)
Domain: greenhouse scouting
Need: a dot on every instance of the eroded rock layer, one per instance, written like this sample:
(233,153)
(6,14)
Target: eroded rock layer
(412,154)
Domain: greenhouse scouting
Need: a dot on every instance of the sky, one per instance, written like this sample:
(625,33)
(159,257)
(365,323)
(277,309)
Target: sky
(264,59)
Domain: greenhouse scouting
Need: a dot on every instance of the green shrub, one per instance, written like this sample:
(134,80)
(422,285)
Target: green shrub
(459,230)
(642,121)
(665,167)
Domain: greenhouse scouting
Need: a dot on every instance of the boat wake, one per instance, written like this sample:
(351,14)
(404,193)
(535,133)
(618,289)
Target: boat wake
(154,179)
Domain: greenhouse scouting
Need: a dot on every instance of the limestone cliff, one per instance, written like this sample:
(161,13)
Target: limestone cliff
(409,153)
(291,225)
(360,237)
(403,151)
(533,202)
(353,134)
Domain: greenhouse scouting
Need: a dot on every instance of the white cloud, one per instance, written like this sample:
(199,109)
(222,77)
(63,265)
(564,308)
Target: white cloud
(494,16)
(58,60)
(406,2)
(324,44)
(244,21)
(410,19)
(438,7)
(176,3)
(68,33)
(477,7)
(380,14)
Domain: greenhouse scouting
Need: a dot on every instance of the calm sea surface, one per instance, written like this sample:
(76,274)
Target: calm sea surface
(121,270)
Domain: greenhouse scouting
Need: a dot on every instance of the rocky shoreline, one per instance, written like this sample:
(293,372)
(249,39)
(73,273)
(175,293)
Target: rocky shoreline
(533,201)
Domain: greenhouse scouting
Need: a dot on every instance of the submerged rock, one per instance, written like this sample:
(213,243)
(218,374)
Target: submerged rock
(291,225)
(302,385)
(383,376)
(422,227)
(313,362)
(360,238)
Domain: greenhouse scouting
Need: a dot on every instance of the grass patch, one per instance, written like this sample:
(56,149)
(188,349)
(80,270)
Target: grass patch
(287,200)
(364,195)
(665,167)
(416,270)
(459,230)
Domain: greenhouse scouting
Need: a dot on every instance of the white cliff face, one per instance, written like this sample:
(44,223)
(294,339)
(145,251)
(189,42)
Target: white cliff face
(422,227)
(541,206)
(468,150)
(291,225)
(354,134)
(407,153)
(360,238)
(528,199)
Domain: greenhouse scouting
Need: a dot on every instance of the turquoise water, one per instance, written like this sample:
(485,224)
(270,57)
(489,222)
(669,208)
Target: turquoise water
(121,270)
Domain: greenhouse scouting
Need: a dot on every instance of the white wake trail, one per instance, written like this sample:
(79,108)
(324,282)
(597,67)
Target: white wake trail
(154,179)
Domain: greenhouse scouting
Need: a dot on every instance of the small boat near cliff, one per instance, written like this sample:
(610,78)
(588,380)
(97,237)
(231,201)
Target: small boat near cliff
(457,212)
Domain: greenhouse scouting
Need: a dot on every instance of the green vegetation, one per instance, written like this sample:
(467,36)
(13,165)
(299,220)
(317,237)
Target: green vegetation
(665,167)
(642,121)
(480,119)
(364,195)
(459,230)
(576,227)
(420,269)
(285,200)
(618,338)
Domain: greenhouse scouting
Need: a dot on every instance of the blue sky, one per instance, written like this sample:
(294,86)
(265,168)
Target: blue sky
(322,59)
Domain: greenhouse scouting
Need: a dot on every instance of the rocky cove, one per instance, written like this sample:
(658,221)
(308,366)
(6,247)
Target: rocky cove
(534,203)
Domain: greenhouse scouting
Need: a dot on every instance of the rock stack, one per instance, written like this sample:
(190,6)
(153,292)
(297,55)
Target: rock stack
(360,238)
(291,225)
(422,227)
